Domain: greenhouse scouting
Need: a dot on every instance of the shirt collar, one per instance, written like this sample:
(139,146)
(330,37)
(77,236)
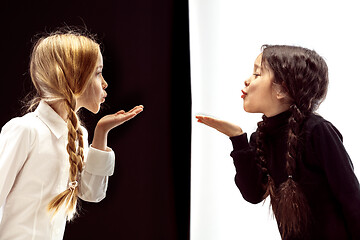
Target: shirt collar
(51,119)
(273,124)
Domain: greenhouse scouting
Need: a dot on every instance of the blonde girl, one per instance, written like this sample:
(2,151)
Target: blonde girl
(45,161)
(295,156)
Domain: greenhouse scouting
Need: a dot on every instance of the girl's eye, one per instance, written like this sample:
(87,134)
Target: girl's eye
(257,75)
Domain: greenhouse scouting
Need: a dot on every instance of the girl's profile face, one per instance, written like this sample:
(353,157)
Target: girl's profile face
(94,93)
(259,94)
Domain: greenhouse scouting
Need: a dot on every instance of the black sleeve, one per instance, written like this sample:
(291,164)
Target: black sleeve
(330,151)
(248,176)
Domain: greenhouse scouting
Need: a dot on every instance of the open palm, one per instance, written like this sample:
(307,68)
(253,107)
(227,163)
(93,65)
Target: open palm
(111,121)
(224,127)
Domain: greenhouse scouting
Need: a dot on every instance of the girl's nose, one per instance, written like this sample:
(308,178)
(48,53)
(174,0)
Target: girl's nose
(104,84)
(247,82)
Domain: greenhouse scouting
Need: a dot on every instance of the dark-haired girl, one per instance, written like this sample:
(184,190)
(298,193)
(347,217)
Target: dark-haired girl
(295,156)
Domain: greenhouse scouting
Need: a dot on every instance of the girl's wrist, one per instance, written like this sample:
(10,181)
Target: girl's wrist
(100,139)
(236,133)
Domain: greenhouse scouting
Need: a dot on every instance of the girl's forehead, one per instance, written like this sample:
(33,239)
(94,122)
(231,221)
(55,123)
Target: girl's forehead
(257,63)
(258,59)
(100,59)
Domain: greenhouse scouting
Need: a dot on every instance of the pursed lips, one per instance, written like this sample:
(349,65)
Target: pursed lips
(103,97)
(243,94)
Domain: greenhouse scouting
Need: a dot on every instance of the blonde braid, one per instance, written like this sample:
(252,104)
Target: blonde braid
(76,160)
(80,149)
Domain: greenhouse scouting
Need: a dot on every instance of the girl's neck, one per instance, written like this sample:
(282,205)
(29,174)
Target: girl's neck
(277,110)
(59,108)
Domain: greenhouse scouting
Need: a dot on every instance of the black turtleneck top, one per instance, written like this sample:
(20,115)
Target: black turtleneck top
(325,174)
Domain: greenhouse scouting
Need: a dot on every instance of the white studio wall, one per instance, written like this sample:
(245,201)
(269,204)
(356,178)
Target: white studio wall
(225,38)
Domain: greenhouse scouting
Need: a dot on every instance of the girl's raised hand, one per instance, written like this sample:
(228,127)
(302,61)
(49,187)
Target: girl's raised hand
(109,122)
(224,127)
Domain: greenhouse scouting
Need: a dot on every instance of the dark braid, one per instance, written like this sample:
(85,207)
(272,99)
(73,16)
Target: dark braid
(293,212)
(260,146)
(304,75)
(269,185)
(295,121)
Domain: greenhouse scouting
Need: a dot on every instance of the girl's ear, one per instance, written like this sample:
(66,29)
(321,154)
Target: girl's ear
(280,95)
(281,92)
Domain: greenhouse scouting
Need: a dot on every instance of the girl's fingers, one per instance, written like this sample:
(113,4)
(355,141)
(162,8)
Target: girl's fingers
(202,118)
(138,110)
(199,118)
(120,112)
(209,121)
(111,121)
(125,116)
(135,110)
(224,127)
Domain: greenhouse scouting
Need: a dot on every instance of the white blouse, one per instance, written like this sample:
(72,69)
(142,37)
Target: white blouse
(34,168)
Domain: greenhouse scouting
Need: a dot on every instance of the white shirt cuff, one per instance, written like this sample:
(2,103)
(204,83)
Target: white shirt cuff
(101,163)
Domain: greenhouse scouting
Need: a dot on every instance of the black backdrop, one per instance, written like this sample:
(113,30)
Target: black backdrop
(146,61)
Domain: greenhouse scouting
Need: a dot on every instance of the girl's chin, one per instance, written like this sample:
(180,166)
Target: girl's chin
(246,109)
(94,109)
(249,110)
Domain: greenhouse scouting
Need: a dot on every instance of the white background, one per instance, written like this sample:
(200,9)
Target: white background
(225,38)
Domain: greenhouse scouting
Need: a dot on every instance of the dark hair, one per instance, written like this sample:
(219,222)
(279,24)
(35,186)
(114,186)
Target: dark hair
(304,76)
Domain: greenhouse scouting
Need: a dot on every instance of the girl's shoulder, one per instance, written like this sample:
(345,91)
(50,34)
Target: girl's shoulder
(316,124)
(20,127)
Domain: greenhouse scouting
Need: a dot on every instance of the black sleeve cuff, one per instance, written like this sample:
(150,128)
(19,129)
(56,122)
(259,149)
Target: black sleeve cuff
(240,142)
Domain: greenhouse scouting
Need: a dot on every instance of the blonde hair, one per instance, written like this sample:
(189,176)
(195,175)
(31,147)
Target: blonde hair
(61,65)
